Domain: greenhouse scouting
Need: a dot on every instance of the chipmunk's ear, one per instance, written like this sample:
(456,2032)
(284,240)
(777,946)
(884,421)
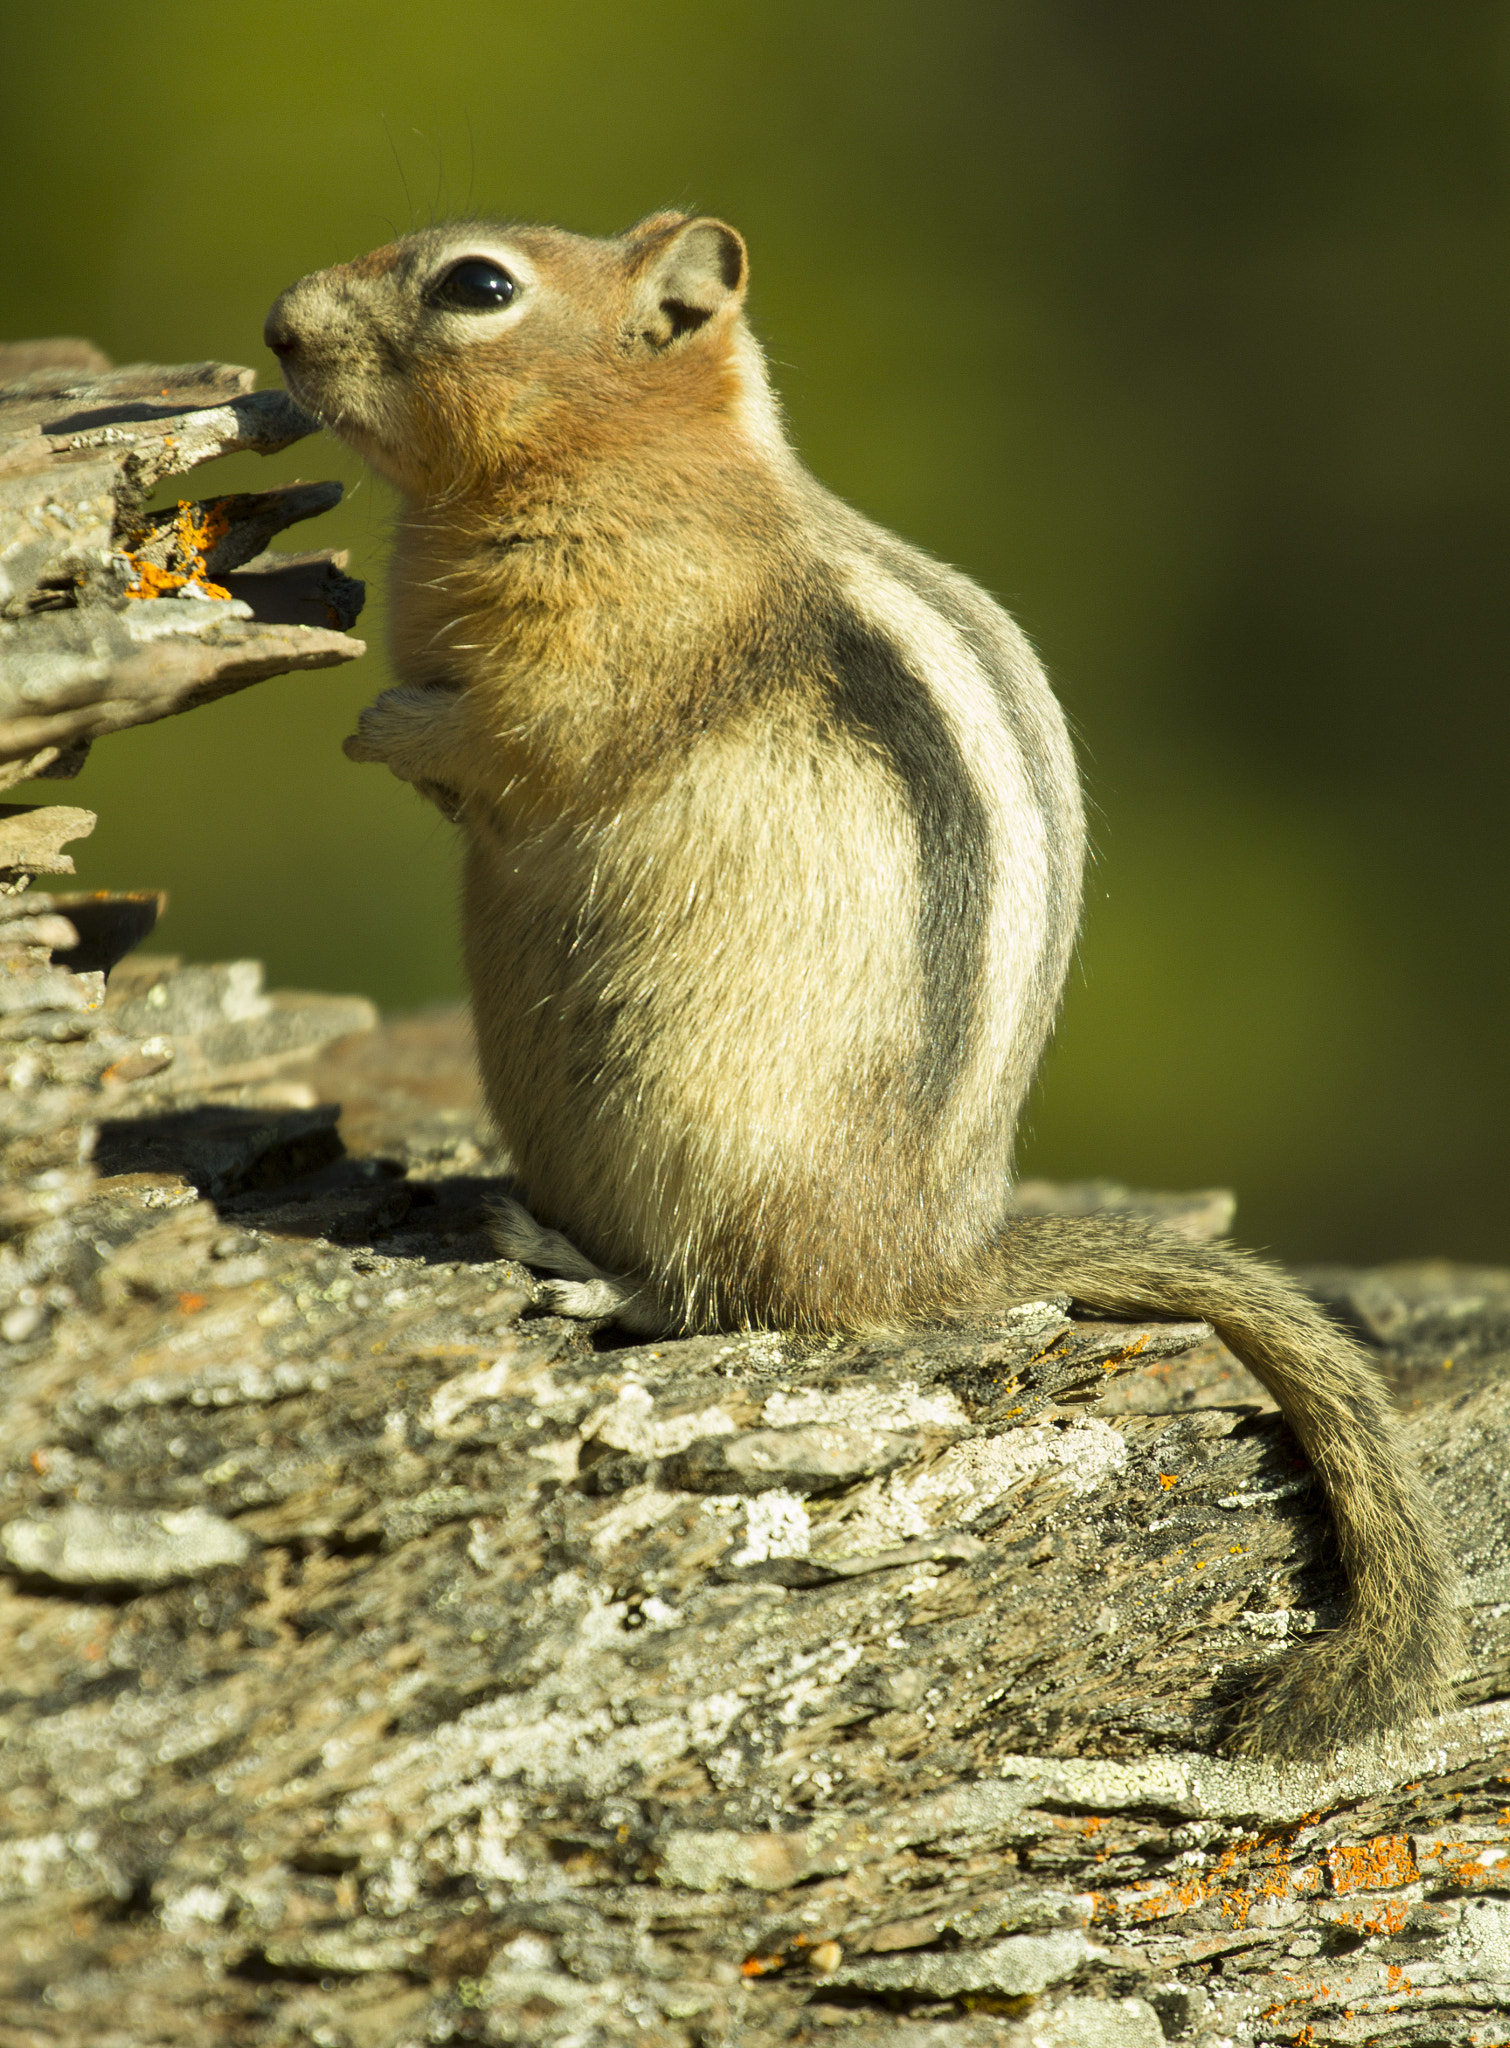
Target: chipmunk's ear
(686,272)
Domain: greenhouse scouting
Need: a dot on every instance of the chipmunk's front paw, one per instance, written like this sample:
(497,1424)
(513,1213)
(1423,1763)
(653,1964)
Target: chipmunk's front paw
(413,732)
(358,747)
(389,727)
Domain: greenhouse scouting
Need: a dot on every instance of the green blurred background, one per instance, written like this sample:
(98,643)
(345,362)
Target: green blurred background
(1181,327)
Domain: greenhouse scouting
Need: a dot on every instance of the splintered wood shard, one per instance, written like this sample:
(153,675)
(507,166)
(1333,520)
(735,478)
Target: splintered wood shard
(113,615)
(32,839)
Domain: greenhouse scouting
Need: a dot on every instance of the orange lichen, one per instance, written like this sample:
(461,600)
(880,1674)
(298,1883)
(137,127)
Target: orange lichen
(150,581)
(1256,1870)
(1388,1918)
(191,1304)
(1371,1866)
(196,529)
(1168,1479)
(1470,1864)
(1120,1358)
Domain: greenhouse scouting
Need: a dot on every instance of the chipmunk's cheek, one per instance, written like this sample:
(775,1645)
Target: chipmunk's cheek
(378,422)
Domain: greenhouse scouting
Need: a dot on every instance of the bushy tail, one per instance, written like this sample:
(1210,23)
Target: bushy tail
(1396,1654)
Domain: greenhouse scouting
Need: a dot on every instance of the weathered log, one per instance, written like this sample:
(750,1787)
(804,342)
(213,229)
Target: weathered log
(388,1662)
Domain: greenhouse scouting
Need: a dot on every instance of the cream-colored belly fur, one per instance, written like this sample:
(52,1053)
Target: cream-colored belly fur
(698,1024)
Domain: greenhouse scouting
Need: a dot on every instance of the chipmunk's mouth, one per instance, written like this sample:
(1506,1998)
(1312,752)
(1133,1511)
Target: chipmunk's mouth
(330,401)
(301,386)
(324,393)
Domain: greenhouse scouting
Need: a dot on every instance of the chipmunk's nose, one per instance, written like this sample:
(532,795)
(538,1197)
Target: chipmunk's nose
(278,330)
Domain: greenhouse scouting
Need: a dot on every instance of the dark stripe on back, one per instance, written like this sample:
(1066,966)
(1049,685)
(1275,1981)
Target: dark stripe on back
(985,628)
(979,621)
(877,698)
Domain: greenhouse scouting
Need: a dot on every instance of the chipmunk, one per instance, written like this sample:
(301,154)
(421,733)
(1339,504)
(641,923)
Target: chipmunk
(773,846)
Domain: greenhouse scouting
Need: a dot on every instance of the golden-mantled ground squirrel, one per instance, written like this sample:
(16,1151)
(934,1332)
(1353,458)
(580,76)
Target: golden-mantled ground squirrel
(773,848)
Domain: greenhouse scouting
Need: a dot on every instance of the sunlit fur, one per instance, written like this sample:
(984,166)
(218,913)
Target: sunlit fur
(772,862)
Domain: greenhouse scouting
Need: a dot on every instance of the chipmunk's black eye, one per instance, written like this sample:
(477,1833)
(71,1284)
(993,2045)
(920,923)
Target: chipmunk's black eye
(474,286)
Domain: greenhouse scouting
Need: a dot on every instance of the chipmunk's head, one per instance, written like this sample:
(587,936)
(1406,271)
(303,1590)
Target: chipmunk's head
(457,355)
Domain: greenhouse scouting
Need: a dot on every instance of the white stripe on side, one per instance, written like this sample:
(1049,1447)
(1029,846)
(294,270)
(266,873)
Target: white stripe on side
(1009,1026)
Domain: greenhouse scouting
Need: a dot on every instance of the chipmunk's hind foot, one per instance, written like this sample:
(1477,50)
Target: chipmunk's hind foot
(579,1288)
